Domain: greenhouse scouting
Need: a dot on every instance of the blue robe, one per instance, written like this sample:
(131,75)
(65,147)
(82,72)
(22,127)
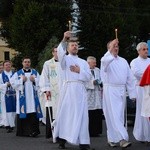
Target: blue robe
(22,98)
(10,95)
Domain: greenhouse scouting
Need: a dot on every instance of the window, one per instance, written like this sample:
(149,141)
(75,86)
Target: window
(6,56)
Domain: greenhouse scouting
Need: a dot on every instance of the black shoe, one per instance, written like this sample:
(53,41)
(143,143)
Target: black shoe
(61,146)
(85,147)
(1,127)
(9,130)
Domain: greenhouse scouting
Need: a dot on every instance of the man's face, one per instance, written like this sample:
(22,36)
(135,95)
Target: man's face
(26,63)
(114,47)
(73,48)
(115,50)
(143,52)
(55,53)
(7,66)
(92,64)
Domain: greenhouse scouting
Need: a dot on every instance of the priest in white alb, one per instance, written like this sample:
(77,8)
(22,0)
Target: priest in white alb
(8,98)
(50,84)
(72,118)
(138,66)
(26,83)
(117,77)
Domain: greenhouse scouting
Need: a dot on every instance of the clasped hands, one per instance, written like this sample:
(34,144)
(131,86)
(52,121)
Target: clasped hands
(32,78)
(48,95)
(8,84)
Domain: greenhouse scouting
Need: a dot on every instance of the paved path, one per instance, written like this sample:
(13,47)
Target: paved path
(8,141)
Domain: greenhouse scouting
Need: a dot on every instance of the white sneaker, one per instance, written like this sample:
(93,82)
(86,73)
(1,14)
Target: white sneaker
(112,144)
(124,143)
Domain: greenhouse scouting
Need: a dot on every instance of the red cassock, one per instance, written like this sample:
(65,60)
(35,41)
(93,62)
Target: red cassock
(146,77)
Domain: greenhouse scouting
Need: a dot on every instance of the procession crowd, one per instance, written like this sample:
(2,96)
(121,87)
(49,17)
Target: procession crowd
(71,95)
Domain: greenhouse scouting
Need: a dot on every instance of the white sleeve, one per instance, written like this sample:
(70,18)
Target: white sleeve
(137,72)
(106,60)
(44,82)
(61,52)
(85,73)
(131,88)
(16,82)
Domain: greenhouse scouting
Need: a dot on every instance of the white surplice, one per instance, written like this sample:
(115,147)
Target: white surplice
(116,77)
(94,91)
(72,118)
(8,118)
(17,84)
(50,80)
(142,125)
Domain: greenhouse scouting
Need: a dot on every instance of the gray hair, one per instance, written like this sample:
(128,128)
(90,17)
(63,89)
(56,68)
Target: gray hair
(140,45)
(89,58)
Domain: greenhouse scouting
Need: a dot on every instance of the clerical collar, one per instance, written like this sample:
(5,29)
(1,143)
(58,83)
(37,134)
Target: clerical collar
(27,70)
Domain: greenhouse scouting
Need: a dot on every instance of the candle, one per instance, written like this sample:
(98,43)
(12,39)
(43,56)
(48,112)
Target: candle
(116,33)
(69,25)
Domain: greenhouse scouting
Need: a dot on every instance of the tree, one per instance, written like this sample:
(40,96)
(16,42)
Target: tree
(143,16)
(98,20)
(46,54)
(33,23)
(6,8)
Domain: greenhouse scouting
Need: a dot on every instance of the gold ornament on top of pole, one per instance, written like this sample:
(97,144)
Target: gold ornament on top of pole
(69,25)
(116,33)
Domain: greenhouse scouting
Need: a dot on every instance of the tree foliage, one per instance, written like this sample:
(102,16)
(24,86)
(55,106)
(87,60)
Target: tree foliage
(46,54)
(6,8)
(98,22)
(33,23)
(143,16)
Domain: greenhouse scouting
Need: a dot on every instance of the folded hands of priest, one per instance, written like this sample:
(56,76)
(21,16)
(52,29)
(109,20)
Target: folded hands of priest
(32,78)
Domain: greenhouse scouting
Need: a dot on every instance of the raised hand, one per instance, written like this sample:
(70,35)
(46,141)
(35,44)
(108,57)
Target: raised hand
(114,47)
(67,35)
